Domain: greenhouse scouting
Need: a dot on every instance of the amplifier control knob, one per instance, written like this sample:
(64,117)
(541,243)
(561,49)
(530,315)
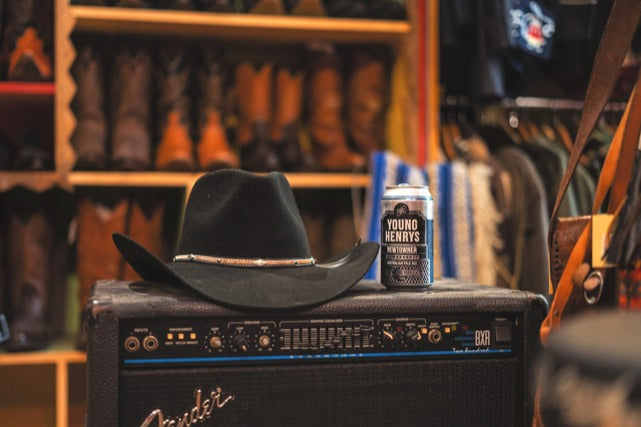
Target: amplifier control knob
(240,343)
(215,342)
(264,341)
(412,337)
(388,337)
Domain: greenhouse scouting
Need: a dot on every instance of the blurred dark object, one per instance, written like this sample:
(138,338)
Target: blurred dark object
(305,7)
(254,91)
(6,153)
(175,151)
(176,4)
(89,138)
(213,147)
(346,8)
(265,7)
(590,372)
(4,329)
(30,154)
(386,9)
(216,5)
(133,3)
(28,40)
(325,107)
(91,2)
(130,109)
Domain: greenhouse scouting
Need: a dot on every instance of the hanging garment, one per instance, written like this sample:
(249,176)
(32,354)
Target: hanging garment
(527,226)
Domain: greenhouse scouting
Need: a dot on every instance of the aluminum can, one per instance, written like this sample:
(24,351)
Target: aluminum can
(407,237)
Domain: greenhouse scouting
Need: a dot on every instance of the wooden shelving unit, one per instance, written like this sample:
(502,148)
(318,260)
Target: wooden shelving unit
(235,26)
(54,364)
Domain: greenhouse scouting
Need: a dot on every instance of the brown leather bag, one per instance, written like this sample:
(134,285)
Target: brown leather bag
(571,274)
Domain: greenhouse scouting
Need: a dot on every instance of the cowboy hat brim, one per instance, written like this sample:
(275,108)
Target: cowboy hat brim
(254,288)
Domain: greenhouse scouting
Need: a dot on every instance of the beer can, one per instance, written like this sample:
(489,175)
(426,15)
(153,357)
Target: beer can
(407,242)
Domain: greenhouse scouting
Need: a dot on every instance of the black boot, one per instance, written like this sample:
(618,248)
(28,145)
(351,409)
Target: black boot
(31,244)
(28,40)
(89,138)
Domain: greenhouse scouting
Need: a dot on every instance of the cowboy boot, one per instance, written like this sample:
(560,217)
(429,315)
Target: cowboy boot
(285,124)
(254,107)
(89,138)
(145,226)
(30,154)
(96,257)
(213,148)
(28,40)
(130,115)
(31,238)
(265,7)
(366,102)
(329,142)
(175,151)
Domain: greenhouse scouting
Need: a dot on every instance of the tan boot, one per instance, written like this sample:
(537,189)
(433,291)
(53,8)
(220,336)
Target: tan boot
(366,93)
(145,227)
(308,8)
(265,7)
(254,90)
(326,127)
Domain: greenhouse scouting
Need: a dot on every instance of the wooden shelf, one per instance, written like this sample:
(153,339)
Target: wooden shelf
(169,179)
(60,351)
(36,181)
(235,26)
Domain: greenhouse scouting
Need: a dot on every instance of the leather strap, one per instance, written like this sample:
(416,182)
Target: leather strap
(614,45)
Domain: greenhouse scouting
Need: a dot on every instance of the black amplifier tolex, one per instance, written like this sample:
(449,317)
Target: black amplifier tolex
(453,355)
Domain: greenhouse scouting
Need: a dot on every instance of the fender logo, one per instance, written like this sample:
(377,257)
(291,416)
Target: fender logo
(200,412)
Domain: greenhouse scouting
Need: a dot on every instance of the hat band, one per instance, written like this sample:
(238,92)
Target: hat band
(247,262)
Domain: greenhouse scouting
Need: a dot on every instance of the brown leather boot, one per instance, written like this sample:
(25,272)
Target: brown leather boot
(145,226)
(97,257)
(89,138)
(325,121)
(285,124)
(254,89)
(28,38)
(176,150)
(31,237)
(213,148)
(366,93)
(130,110)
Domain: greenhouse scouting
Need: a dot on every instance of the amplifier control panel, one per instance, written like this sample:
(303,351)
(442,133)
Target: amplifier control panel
(229,341)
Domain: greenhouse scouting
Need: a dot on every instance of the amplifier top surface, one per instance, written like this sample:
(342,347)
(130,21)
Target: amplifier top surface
(135,299)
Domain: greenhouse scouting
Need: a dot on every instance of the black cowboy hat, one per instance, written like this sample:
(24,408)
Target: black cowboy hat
(243,244)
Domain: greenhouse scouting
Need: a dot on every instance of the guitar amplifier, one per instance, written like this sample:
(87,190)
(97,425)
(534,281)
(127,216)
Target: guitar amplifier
(453,355)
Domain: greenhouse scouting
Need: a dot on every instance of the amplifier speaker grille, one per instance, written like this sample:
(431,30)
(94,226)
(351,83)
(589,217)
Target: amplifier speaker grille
(408,393)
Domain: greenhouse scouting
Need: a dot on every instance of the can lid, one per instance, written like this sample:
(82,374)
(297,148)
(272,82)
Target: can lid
(405,185)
